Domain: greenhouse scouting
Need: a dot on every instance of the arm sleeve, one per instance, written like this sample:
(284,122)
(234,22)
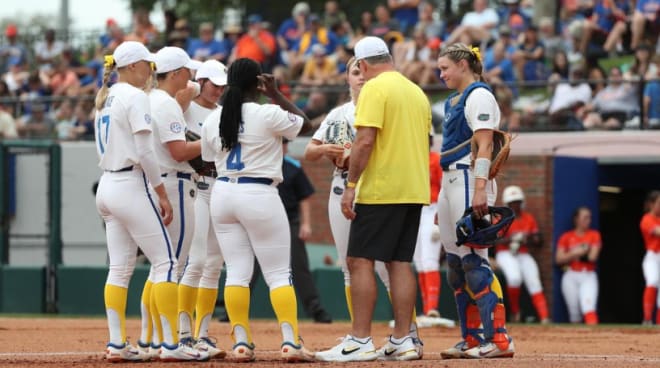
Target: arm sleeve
(481,110)
(144,146)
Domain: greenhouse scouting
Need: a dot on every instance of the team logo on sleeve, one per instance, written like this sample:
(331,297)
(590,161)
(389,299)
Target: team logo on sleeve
(176,127)
(147,118)
(293,117)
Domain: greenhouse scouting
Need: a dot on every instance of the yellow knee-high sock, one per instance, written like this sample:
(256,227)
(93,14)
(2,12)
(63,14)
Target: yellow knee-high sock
(145,311)
(237,304)
(349,300)
(186,300)
(285,305)
(204,310)
(157,326)
(115,308)
(165,294)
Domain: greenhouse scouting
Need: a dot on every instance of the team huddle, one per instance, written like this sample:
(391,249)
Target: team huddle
(190,221)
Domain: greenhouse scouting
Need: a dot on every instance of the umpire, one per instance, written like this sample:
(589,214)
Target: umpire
(295,191)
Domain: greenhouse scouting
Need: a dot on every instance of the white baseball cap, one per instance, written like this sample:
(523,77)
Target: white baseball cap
(370,46)
(130,52)
(213,70)
(171,58)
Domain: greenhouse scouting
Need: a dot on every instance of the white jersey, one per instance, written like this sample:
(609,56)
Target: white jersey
(125,112)
(480,103)
(345,112)
(170,125)
(258,153)
(195,116)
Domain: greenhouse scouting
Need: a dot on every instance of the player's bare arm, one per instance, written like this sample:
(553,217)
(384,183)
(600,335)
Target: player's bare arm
(484,139)
(268,86)
(183,151)
(362,147)
(316,149)
(164,203)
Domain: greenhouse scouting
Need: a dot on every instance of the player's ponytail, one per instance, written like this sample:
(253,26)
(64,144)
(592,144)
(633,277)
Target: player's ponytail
(102,95)
(242,82)
(459,51)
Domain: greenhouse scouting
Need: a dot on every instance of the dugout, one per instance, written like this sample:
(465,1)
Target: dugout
(612,178)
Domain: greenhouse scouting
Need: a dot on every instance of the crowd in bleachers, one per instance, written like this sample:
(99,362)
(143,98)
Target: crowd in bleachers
(561,55)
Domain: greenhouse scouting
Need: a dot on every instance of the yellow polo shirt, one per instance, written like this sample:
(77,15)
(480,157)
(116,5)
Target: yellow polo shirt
(398,168)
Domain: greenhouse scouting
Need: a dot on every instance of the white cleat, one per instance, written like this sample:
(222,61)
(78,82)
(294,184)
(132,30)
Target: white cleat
(491,350)
(124,353)
(406,350)
(181,353)
(292,353)
(349,350)
(205,344)
(243,353)
(458,351)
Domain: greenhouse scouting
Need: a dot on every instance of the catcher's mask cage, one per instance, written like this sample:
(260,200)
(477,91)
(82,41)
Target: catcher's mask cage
(485,231)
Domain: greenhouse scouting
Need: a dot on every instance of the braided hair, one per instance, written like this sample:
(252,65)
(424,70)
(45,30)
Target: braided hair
(242,81)
(459,51)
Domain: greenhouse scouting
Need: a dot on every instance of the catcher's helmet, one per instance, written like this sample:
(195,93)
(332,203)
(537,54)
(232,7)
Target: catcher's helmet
(483,232)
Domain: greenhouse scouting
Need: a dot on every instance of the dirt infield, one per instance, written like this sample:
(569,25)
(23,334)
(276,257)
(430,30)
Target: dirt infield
(59,342)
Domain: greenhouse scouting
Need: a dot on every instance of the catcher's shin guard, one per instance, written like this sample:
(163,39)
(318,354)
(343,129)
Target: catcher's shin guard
(469,319)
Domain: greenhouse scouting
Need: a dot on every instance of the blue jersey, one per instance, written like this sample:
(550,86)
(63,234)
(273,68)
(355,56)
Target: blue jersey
(652,91)
(455,127)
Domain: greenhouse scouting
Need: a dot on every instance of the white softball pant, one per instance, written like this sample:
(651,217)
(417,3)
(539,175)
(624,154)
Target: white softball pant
(340,227)
(580,290)
(427,250)
(205,258)
(519,268)
(249,220)
(651,269)
(131,213)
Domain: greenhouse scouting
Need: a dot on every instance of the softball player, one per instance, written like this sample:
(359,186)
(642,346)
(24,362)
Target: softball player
(125,201)
(247,213)
(514,259)
(579,250)
(173,70)
(340,225)
(427,250)
(202,272)
(471,112)
(650,227)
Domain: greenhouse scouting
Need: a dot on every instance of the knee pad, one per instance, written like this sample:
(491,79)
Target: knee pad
(120,275)
(455,273)
(478,274)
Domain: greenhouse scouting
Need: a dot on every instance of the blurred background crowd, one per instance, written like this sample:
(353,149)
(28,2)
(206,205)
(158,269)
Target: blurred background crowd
(587,65)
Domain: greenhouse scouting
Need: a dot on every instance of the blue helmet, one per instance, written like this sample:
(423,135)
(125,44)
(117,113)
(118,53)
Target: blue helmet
(483,232)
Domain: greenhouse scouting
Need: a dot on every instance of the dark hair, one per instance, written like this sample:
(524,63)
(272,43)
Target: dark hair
(577,211)
(241,81)
(650,200)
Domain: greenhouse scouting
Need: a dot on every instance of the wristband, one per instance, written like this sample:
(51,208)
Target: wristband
(481,168)
(350,184)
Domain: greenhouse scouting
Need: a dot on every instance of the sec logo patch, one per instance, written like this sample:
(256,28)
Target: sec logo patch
(176,127)
(147,118)
(292,117)
(338,190)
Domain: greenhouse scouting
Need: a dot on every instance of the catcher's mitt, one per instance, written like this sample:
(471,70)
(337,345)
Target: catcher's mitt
(501,149)
(200,166)
(340,133)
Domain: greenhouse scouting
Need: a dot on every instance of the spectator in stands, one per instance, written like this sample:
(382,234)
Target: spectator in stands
(333,15)
(406,13)
(13,53)
(143,30)
(316,33)
(560,67)
(36,125)
(206,47)
(419,64)
(63,81)
(281,75)
(613,105)
(366,22)
(568,101)
(597,79)
(320,69)
(509,44)
(511,14)
(652,99)
(257,43)
(106,38)
(384,23)
(433,28)
(64,121)
(15,76)
(181,33)
(551,40)
(510,119)
(111,39)
(48,50)
(33,92)
(343,32)
(316,107)
(7,123)
(499,70)
(290,32)
(641,65)
(529,60)
(603,30)
(83,120)
(645,21)
(232,32)
(476,26)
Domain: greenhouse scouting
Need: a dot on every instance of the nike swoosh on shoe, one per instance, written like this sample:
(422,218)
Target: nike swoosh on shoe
(351,351)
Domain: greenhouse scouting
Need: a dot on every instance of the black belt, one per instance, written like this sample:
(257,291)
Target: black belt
(180,175)
(123,169)
(247,180)
(458,167)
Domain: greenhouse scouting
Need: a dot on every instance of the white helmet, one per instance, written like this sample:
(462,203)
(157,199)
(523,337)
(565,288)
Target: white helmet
(512,193)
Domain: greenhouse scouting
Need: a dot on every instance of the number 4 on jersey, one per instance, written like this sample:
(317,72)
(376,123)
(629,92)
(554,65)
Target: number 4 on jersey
(234,159)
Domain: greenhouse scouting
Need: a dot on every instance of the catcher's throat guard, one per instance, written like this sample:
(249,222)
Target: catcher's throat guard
(483,232)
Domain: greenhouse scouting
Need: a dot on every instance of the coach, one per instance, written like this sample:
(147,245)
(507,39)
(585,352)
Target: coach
(389,171)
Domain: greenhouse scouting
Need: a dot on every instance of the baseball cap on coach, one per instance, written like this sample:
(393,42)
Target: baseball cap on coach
(130,52)
(214,71)
(171,58)
(370,46)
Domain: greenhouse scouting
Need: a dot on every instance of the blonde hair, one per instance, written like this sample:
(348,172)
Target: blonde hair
(349,64)
(459,51)
(102,95)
